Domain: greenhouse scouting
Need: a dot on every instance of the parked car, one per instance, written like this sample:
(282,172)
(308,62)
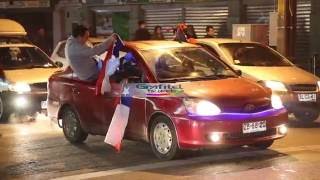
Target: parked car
(298,89)
(24,72)
(58,55)
(217,108)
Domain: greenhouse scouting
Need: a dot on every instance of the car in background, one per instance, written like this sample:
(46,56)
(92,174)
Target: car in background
(24,72)
(58,55)
(298,89)
(215,107)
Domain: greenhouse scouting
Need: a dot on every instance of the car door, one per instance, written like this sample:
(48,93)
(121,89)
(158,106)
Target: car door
(136,127)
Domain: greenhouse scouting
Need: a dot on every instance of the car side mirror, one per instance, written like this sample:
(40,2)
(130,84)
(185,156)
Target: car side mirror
(238,72)
(59,64)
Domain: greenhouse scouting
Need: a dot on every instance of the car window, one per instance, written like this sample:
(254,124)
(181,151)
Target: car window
(61,52)
(185,63)
(251,54)
(15,57)
(13,40)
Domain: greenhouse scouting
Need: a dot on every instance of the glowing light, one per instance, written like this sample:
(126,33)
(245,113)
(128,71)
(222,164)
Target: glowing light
(20,88)
(215,137)
(283,129)
(21,102)
(275,86)
(201,107)
(276,102)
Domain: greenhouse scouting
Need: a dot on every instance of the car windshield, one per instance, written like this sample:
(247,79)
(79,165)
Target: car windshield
(251,54)
(17,57)
(187,63)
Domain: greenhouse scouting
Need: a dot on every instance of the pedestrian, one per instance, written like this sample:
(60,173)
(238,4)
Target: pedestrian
(42,41)
(190,32)
(142,32)
(210,32)
(157,33)
(79,54)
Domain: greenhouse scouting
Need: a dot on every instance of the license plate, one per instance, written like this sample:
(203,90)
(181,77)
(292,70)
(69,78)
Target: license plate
(307,97)
(43,104)
(252,127)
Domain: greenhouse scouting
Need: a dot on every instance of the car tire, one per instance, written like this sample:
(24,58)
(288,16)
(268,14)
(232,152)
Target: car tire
(72,129)
(307,116)
(163,138)
(263,145)
(4,110)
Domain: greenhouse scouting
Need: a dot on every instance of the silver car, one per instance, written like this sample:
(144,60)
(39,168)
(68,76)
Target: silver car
(299,89)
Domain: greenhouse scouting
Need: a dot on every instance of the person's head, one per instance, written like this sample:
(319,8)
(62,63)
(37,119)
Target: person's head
(157,30)
(210,30)
(41,31)
(142,24)
(81,33)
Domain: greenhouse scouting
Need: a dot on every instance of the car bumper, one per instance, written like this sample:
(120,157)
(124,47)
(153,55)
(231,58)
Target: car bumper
(25,103)
(194,133)
(292,103)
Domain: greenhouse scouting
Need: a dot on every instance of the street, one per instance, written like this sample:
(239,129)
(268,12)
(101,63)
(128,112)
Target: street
(38,150)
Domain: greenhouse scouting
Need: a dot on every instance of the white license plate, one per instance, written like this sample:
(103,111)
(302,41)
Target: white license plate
(43,104)
(307,97)
(252,127)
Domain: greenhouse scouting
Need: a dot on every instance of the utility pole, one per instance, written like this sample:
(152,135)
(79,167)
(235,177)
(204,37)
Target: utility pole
(287,10)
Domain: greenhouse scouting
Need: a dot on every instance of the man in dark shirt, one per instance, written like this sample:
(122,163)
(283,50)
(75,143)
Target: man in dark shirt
(210,32)
(142,33)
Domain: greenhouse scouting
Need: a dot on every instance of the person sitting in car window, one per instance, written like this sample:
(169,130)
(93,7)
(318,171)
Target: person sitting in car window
(79,54)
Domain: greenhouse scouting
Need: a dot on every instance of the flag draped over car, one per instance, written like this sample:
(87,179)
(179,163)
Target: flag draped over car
(109,66)
(120,116)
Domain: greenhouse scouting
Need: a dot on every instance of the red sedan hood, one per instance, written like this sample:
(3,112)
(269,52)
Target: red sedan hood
(231,94)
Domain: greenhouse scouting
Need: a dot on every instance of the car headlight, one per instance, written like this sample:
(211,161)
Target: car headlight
(276,102)
(275,86)
(20,87)
(201,107)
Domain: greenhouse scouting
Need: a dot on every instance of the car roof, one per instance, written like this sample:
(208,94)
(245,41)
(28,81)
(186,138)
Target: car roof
(16,45)
(9,27)
(217,41)
(149,45)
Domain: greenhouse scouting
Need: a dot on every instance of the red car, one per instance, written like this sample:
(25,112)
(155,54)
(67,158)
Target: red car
(217,107)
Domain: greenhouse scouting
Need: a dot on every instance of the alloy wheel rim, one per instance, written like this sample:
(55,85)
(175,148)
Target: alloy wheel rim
(71,124)
(1,107)
(162,138)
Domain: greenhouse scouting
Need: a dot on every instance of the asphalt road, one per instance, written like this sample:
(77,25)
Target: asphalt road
(38,150)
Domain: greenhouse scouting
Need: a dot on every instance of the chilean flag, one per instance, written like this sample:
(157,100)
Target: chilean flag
(109,66)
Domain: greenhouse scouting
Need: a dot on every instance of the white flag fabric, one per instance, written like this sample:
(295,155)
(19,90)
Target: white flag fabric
(111,67)
(117,126)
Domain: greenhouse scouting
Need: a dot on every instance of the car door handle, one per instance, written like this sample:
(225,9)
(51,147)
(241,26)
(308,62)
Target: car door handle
(75,91)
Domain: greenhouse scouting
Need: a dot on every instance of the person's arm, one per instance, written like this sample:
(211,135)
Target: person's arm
(99,49)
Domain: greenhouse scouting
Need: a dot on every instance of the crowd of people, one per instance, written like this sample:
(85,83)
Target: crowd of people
(142,32)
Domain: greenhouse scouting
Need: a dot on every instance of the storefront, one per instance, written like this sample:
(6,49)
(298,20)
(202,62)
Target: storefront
(33,15)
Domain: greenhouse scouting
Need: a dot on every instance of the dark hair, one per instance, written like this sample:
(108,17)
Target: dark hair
(79,30)
(208,28)
(156,27)
(141,22)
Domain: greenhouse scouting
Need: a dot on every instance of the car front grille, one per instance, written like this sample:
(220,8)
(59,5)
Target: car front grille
(39,86)
(303,87)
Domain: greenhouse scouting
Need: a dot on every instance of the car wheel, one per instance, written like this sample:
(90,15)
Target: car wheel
(72,129)
(263,145)
(4,110)
(307,116)
(163,139)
